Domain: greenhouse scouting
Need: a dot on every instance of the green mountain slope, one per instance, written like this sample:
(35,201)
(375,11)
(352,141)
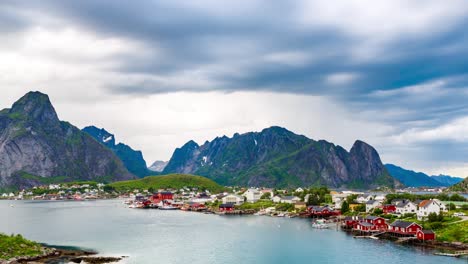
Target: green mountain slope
(460,187)
(174,181)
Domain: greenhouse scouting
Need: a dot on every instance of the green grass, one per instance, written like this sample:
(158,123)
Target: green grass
(43,180)
(262,204)
(16,246)
(173,181)
(457,232)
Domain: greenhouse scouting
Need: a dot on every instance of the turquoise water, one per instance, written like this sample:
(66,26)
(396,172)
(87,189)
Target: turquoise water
(154,236)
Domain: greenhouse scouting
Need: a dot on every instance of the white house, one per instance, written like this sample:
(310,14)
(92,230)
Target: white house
(286,199)
(380,197)
(252,195)
(406,207)
(371,204)
(299,189)
(430,206)
(233,199)
(364,198)
(338,199)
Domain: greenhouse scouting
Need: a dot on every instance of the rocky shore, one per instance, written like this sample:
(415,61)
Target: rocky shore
(51,255)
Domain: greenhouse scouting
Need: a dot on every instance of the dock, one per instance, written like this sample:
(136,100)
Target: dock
(456,254)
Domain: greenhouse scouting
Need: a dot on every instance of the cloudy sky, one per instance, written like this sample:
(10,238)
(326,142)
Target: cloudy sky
(159,73)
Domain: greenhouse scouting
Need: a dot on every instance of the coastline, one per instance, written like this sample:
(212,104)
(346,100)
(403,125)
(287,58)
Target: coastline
(59,254)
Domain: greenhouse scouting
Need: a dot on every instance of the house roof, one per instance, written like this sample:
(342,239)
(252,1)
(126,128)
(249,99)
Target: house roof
(318,208)
(351,218)
(371,217)
(425,203)
(402,204)
(403,224)
(427,232)
(289,197)
(371,202)
(228,205)
(365,224)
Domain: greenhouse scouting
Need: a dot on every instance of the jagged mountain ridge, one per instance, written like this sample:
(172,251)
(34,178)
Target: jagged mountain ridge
(446,180)
(158,166)
(278,157)
(35,145)
(132,159)
(418,179)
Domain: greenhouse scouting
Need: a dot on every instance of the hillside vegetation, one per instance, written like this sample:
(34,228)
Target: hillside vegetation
(174,181)
(460,187)
(15,246)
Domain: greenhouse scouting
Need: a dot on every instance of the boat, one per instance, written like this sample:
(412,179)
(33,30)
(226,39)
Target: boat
(320,224)
(168,207)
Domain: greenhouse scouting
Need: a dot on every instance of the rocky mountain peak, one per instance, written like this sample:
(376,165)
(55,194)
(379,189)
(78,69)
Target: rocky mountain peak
(101,135)
(35,106)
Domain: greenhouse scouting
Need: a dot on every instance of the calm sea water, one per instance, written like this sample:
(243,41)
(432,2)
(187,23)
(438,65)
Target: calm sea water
(154,236)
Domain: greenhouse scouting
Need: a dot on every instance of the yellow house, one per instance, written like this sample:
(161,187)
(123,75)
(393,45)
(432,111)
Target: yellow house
(353,206)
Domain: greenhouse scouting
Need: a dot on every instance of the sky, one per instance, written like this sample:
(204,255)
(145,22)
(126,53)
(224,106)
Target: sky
(393,73)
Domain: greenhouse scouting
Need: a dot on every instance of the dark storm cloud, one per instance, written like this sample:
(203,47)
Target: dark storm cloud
(406,77)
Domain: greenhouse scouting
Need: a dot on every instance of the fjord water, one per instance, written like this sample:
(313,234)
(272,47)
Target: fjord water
(154,236)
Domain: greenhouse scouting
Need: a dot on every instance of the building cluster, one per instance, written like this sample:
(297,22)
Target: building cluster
(378,225)
(59,192)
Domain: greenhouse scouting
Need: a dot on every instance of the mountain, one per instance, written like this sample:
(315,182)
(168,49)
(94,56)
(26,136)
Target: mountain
(446,180)
(411,178)
(132,159)
(276,157)
(158,166)
(36,147)
(460,187)
(418,179)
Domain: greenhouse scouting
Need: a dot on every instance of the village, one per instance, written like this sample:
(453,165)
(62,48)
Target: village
(401,216)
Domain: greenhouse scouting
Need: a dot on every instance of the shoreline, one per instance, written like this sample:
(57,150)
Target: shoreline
(59,254)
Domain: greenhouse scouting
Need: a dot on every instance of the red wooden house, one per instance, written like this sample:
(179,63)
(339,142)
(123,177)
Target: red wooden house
(377,221)
(404,228)
(226,207)
(321,211)
(351,221)
(161,196)
(425,235)
(389,208)
(365,227)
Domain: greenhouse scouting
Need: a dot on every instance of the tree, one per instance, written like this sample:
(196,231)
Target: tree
(451,206)
(344,207)
(378,211)
(360,208)
(432,217)
(313,200)
(266,195)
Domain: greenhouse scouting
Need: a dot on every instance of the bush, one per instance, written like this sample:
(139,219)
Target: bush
(451,206)
(435,225)
(378,211)
(344,207)
(266,196)
(360,208)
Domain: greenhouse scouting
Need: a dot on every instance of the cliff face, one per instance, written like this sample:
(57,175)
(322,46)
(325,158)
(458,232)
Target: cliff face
(278,157)
(36,145)
(132,159)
